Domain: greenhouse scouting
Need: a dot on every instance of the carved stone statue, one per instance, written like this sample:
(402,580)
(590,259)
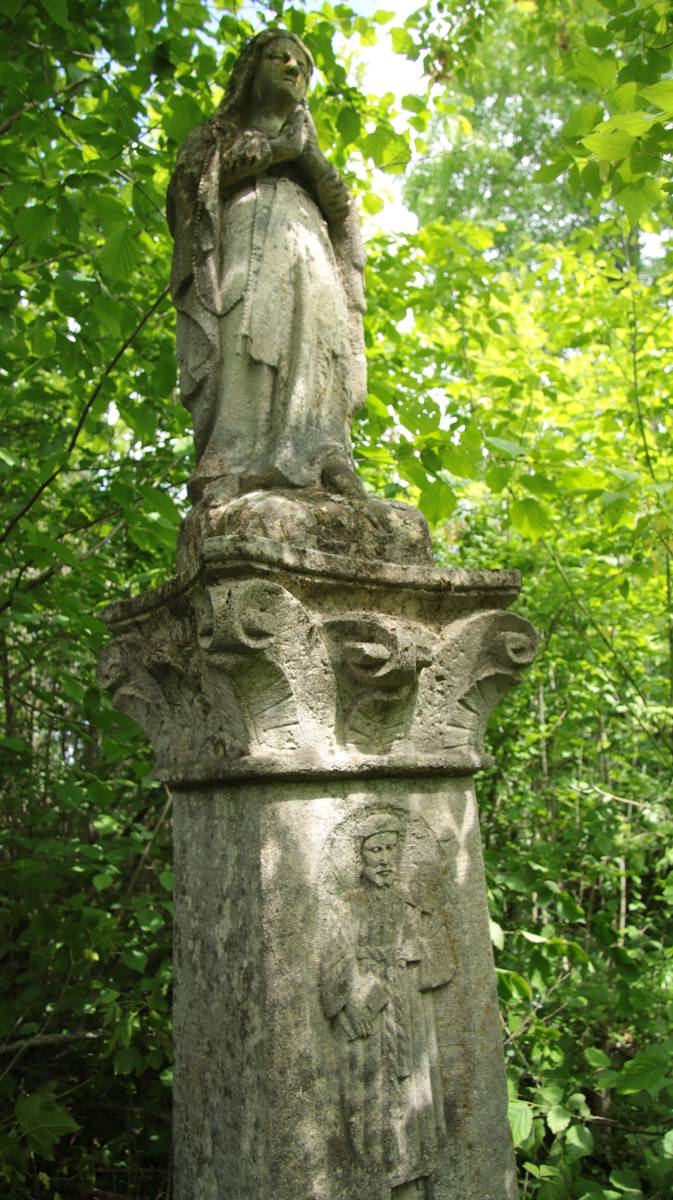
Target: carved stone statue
(316,692)
(385,953)
(267,283)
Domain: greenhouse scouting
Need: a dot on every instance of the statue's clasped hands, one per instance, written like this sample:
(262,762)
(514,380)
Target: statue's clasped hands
(298,133)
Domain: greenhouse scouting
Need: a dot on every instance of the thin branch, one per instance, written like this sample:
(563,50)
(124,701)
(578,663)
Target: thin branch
(143,858)
(51,1039)
(5,249)
(635,383)
(662,733)
(621,799)
(65,92)
(83,415)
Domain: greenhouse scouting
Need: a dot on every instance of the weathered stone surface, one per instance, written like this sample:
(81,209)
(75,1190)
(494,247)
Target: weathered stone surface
(273,661)
(318,720)
(365,528)
(267,284)
(282,946)
(316,694)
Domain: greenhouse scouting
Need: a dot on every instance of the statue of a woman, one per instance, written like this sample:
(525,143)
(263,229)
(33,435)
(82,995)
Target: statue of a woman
(267,283)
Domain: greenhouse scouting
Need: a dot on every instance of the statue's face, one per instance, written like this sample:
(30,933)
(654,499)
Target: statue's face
(379,858)
(282,72)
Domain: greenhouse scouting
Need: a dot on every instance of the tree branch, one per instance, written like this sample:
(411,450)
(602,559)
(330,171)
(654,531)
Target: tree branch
(65,92)
(51,1039)
(83,416)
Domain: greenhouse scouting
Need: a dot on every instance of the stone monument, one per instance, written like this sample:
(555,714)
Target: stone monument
(316,693)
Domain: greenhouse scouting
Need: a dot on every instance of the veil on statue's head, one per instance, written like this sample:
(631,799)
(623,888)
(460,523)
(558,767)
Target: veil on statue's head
(231,111)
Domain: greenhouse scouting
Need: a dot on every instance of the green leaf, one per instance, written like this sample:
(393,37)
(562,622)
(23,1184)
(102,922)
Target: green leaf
(639,198)
(569,908)
(403,43)
(416,104)
(497,935)
(183,114)
(125,1060)
(551,171)
(134,958)
(623,99)
(597,69)
(102,881)
(644,1071)
(520,1116)
(372,203)
(529,518)
(150,920)
(539,485)
(660,94)
(119,255)
(596,1057)
(504,446)
(112,214)
(58,11)
(582,120)
(579,1141)
(635,123)
(437,501)
(597,35)
(558,1118)
(497,478)
(348,124)
(42,1121)
(610,147)
(34,222)
(627,1183)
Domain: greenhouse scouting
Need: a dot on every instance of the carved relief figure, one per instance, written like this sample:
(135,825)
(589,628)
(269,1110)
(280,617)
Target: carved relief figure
(267,283)
(385,952)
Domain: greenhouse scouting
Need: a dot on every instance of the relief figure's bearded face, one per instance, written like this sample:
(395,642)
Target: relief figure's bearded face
(282,73)
(379,853)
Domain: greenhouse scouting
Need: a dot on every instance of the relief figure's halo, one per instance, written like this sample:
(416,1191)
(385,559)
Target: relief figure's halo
(422,862)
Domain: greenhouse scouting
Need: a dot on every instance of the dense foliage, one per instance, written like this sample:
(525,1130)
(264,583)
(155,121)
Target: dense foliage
(519,392)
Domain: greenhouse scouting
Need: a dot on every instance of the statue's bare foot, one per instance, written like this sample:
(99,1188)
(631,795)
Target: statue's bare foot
(338,476)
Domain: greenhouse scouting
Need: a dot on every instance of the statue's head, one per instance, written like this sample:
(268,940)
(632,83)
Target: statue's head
(275,63)
(379,849)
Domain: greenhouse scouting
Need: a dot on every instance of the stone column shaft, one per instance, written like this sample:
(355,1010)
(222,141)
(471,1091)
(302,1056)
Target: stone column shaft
(318,723)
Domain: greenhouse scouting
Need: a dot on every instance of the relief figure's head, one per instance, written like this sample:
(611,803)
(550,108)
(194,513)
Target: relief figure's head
(380,849)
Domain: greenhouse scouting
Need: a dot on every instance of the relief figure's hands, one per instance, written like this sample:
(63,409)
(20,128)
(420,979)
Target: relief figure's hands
(359,1019)
(289,143)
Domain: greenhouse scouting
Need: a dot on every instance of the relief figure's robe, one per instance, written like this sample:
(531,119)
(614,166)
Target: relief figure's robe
(388,953)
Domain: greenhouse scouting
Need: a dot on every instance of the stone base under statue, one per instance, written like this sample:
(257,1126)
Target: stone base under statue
(366,529)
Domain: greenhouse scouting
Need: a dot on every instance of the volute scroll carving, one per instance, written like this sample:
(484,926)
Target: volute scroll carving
(376,664)
(482,658)
(267,669)
(244,617)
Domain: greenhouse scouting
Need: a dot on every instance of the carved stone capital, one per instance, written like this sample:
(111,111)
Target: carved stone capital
(276,662)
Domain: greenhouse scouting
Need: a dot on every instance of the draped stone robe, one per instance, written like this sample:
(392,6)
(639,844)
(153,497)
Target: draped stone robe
(385,954)
(269,333)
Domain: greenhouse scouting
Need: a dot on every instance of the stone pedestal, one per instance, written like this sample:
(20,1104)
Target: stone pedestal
(318,719)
